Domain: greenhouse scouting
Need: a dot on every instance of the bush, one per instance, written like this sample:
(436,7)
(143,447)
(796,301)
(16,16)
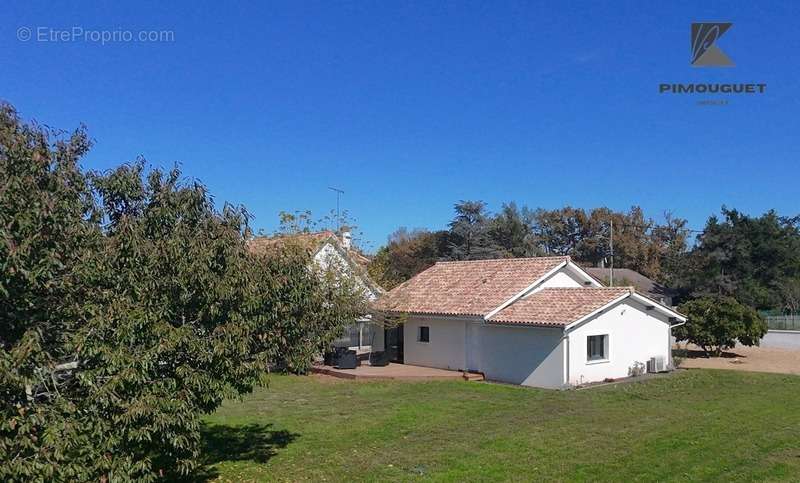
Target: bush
(717,323)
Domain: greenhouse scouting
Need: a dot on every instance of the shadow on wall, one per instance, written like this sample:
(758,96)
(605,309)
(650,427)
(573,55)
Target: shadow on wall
(251,442)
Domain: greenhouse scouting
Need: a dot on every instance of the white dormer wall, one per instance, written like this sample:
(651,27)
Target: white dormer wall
(328,256)
(562,278)
(565,277)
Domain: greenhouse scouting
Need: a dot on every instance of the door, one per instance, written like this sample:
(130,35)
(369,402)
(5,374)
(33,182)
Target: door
(393,341)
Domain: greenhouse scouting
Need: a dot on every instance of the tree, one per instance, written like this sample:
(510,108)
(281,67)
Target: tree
(510,233)
(790,294)
(469,232)
(407,253)
(670,239)
(744,257)
(717,323)
(129,307)
(656,250)
(293,223)
(641,244)
(559,232)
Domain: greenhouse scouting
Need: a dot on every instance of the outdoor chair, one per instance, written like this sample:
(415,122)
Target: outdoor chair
(379,358)
(347,360)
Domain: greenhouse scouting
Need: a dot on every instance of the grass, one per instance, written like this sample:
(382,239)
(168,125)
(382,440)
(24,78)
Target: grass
(695,425)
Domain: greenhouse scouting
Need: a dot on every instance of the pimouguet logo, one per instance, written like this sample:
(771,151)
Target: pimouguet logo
(705,52)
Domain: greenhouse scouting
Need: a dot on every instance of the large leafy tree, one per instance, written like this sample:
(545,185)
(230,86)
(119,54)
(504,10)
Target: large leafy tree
(511,233)
(407,253)
(640,243)
(130,306)
(469,232)
(718,323)
(753,259)
(561,231)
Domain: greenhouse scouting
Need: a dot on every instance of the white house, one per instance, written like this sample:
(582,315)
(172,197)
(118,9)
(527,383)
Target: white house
(327,250)
(533,321)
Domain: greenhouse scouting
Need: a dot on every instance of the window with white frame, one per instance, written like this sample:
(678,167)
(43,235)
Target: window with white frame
(423,334)
(597,347)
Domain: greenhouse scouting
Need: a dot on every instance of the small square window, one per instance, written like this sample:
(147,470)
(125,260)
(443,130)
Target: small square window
(597,347)
(424,334)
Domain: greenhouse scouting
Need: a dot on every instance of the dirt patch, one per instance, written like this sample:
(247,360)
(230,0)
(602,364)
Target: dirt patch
(757,359)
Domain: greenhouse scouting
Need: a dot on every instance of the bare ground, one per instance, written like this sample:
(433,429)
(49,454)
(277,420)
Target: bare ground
(757,359)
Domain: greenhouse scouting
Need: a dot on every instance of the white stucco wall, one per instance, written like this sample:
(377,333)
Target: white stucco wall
(527,356)
(634,334)
(328,256)
(562,278)
(518,355)
(446,349)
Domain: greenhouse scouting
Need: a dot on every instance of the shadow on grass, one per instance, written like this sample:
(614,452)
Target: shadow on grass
(252,442)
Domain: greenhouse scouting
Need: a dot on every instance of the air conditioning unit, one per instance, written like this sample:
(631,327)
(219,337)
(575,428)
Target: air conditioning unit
(657,364)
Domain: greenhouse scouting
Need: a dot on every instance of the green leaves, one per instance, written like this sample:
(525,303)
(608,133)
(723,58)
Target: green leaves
(753,259)
(150,292)
(717,323)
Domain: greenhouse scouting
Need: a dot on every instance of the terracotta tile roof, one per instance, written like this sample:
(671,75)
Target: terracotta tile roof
(558,306)
(311,241)
(466,288)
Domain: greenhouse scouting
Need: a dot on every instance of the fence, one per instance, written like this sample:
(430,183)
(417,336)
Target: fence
(783,322)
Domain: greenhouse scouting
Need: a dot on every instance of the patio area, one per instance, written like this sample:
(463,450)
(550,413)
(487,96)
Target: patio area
(396,371)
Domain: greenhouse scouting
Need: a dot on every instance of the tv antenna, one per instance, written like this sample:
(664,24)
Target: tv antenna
(339,193)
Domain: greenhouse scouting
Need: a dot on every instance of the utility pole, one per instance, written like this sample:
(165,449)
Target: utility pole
(338,194)
(611,272)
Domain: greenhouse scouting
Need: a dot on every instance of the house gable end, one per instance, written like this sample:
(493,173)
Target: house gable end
(567,274)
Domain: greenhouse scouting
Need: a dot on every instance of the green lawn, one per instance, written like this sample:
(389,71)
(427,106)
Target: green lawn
(694,425)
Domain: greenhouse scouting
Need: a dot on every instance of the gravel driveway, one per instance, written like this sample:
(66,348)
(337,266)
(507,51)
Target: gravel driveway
(758,359)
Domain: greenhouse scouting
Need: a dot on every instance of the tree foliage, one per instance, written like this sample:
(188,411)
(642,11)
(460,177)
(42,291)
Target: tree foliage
(717,323)
(469,237)
(653,249)
(756,260)
(130,306)
(407,253)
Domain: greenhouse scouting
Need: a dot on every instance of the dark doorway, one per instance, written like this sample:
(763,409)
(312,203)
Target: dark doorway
(393,340)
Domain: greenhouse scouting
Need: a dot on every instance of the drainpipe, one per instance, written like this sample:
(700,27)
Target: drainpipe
(565,338)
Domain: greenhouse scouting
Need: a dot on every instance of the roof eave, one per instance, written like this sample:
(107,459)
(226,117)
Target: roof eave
(532,325)
(659,306)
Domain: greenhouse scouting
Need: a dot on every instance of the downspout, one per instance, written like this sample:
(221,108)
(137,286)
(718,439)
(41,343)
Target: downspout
(565,338)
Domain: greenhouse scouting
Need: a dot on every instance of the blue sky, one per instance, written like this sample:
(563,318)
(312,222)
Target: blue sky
(412,106)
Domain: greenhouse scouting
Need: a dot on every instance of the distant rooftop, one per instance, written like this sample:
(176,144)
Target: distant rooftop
(626,276)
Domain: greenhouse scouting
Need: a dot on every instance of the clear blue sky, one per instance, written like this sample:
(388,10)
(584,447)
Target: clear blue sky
(412,106)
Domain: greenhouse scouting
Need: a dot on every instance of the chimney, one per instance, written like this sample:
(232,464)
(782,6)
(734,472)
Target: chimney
(347,238)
